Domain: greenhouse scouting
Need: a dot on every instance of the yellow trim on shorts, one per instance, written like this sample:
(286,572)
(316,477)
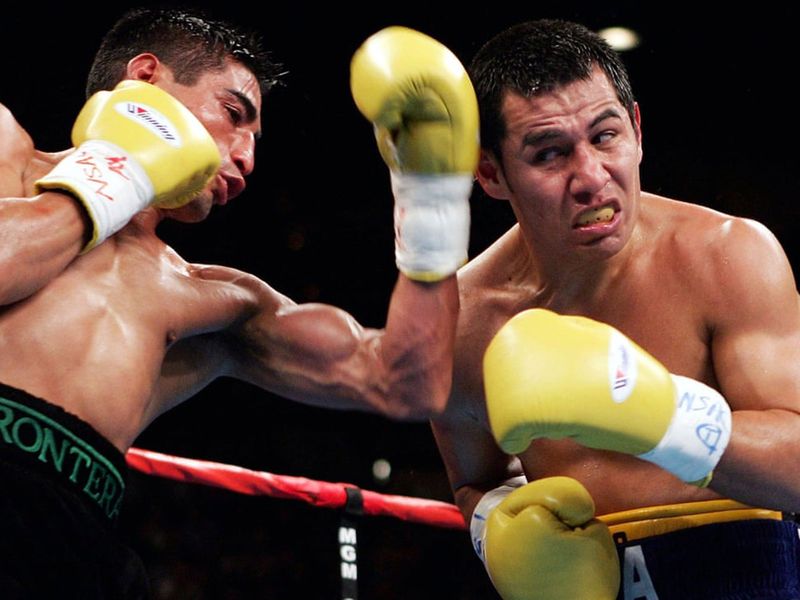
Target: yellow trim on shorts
(645,522)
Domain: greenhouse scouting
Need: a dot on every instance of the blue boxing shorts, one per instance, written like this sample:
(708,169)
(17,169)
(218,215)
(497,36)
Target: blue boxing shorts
(61,487)
(714,550)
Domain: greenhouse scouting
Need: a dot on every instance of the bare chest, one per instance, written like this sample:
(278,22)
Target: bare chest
(130,298)
(656,313)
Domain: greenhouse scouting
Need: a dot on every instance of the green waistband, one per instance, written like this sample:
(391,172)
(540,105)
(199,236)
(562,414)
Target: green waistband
(61,451)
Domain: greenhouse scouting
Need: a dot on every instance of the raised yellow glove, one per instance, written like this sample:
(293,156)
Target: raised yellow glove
(553,376)
(425,114)
(136,146)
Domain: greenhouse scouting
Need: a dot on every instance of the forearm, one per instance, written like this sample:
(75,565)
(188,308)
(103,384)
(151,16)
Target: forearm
(761,464)
(39,237)
(318,354)
(417,346)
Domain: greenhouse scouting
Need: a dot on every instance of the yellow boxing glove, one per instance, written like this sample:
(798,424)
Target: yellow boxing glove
(542,542)
(425,115)
(136,146)
(553,376)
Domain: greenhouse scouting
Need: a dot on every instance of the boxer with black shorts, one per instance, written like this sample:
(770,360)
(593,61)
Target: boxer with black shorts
(103,327)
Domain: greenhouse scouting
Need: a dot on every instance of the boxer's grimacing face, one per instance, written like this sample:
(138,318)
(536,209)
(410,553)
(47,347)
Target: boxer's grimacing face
(228,103)
(570,168)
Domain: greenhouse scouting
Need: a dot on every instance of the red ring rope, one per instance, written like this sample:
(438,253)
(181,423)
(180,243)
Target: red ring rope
(318,493)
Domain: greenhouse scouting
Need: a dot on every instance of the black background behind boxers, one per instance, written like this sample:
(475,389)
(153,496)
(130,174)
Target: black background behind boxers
(719,129)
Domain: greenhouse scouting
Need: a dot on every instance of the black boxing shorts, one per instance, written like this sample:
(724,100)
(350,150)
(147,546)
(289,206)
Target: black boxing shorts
(61,488)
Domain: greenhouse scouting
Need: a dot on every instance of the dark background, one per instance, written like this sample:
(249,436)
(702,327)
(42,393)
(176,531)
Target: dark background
(720,128)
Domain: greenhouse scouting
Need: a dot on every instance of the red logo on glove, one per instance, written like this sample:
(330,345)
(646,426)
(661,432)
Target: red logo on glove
(117,164)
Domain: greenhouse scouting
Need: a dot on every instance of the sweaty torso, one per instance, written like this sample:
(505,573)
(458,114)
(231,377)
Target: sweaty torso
(654,299)
(99,339)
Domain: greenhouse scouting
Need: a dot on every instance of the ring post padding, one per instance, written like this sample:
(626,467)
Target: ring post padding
(348,542)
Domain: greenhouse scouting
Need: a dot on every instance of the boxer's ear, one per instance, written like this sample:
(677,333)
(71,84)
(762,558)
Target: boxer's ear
(490,176)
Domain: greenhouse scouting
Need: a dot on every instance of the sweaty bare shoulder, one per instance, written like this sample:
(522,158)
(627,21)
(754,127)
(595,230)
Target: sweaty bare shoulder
(260,311)
(683,235)
(16,152)
(261,294)
(497,280)
(750,267)
(722,259)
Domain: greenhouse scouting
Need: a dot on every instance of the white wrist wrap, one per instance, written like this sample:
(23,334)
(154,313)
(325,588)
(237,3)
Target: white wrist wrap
(477,525)
(431,222)
(110,184)
(698,434)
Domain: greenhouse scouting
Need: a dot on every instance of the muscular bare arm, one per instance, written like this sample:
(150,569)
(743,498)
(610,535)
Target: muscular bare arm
(319,354)
(39,236)
(756,355)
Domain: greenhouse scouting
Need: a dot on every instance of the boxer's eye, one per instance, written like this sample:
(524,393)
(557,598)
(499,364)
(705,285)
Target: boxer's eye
(234,113)
(547,155)
(604,136)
